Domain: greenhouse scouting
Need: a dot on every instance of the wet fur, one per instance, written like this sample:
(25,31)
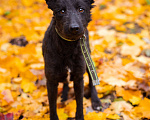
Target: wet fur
(59,55)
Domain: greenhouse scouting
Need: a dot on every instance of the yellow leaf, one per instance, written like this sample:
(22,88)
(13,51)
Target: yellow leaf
(27,86)
(61,114)
(4,86)
(28,49)
(95,116)
(143,109)
(17,111)
(100,95)
(113,116)
(145,34)
(99,48)
(135,40)
(120,17)
(128,95)
(121,28)
(142,1)
(126,61)
(104,89)
(13,62)
(135,100)
(1,11)
(131,25)
(27,3)
(70,109)
(28,75)
(5,77)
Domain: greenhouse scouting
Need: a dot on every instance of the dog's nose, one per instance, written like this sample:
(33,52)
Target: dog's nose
(74,28)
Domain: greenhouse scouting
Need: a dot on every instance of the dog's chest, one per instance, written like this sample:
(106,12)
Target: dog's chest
(68,73)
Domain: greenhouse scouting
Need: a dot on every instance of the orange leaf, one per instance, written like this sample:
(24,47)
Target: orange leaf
(143,110)
(129,95)
(7,95)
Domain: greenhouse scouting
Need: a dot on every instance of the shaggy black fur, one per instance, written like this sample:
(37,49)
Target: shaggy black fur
(70,18)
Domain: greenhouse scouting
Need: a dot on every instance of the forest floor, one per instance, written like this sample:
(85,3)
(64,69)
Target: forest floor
(120,44)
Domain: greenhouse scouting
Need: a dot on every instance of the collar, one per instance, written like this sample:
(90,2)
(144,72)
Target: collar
(63,37)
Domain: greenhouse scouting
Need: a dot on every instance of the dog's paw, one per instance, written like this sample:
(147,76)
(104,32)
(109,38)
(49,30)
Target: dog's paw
(96,105)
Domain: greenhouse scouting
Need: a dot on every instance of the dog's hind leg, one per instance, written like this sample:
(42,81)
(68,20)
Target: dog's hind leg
(65,92)
(52,96)
(96,104)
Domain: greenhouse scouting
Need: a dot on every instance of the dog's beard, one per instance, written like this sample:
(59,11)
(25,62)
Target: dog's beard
(69,36)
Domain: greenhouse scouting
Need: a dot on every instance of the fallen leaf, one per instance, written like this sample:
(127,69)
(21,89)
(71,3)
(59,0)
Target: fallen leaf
(120,106)
(94,115)
(129,95)
(7,95)
(8,116)
(135,40)
(142,110)
(130,50)
(28,86)
(61,113)
(115,81)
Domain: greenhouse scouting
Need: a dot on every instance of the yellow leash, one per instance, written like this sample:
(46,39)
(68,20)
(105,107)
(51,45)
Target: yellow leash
(87,58)
(89,61)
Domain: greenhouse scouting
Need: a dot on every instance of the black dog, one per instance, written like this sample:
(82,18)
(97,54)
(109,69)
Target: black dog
(61,51)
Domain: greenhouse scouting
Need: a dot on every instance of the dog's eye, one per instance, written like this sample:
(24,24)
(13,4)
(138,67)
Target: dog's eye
(62,11)
(81,10)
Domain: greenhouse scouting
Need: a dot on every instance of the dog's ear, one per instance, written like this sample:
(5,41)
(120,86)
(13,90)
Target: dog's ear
(51,3)
(92,1)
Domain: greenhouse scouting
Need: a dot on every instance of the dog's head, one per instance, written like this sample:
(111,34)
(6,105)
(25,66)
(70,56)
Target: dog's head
(71,16)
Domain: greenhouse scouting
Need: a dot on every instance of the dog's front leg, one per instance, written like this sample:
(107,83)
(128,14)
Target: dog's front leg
(96,103)
(78,87)
(52,96)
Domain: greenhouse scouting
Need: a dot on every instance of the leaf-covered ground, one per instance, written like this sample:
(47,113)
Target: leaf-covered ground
(120,44)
